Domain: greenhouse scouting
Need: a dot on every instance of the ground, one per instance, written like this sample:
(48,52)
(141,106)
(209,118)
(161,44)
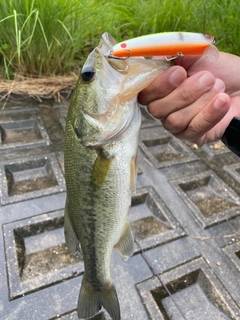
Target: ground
(185,215)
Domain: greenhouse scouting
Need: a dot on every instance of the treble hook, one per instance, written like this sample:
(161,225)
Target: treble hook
(115,66)
(179,55)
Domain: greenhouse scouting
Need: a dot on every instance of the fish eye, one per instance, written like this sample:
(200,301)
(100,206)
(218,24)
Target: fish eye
(87,73)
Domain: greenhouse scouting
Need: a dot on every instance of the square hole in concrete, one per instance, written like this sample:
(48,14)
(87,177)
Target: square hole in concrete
(209,197)
(32,175)
(195,290)
(23,133)
(148,227)
(163,149)
(203,194)
(37,255)
(28,178)
(20,132)
(151,221)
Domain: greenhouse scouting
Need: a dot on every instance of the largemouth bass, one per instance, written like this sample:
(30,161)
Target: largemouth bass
(101,144)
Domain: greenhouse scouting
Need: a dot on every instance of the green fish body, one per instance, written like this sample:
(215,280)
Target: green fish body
(100,168)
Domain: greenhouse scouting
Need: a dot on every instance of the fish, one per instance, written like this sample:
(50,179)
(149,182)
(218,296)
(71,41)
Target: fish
(176,44)
(100,161)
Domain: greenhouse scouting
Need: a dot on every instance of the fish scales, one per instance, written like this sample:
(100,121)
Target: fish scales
(100,155)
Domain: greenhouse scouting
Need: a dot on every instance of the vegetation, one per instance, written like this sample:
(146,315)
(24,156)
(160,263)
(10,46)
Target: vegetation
(47,38)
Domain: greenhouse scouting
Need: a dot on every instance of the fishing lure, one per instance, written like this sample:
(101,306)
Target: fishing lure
(175,44)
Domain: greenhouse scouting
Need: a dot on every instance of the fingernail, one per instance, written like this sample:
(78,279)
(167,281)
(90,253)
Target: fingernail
(219,85)
(206,81)
(177,77)
(219,103)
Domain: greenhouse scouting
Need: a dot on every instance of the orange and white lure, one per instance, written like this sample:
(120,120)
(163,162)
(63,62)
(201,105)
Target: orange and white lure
(175,44)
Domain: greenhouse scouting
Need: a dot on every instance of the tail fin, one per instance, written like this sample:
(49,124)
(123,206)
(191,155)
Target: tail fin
(91,301)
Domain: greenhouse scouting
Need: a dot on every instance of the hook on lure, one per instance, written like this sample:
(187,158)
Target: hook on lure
(179,55)
(116,65)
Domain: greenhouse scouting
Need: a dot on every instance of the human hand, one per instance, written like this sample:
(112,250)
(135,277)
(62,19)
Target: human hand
(190,100)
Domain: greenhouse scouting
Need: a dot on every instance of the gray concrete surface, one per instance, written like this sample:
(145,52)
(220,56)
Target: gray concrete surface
(185,215)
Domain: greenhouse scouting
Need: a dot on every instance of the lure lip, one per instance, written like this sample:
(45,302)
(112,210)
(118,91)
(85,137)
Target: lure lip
(175,44)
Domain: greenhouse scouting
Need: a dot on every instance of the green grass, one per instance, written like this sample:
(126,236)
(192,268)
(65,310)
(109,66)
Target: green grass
(42,37)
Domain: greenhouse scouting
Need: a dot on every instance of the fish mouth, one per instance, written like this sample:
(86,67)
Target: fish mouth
(119,64)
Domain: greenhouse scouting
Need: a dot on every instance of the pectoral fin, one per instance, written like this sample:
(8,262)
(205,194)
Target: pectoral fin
(70,235)
(125,245)
(100,170)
